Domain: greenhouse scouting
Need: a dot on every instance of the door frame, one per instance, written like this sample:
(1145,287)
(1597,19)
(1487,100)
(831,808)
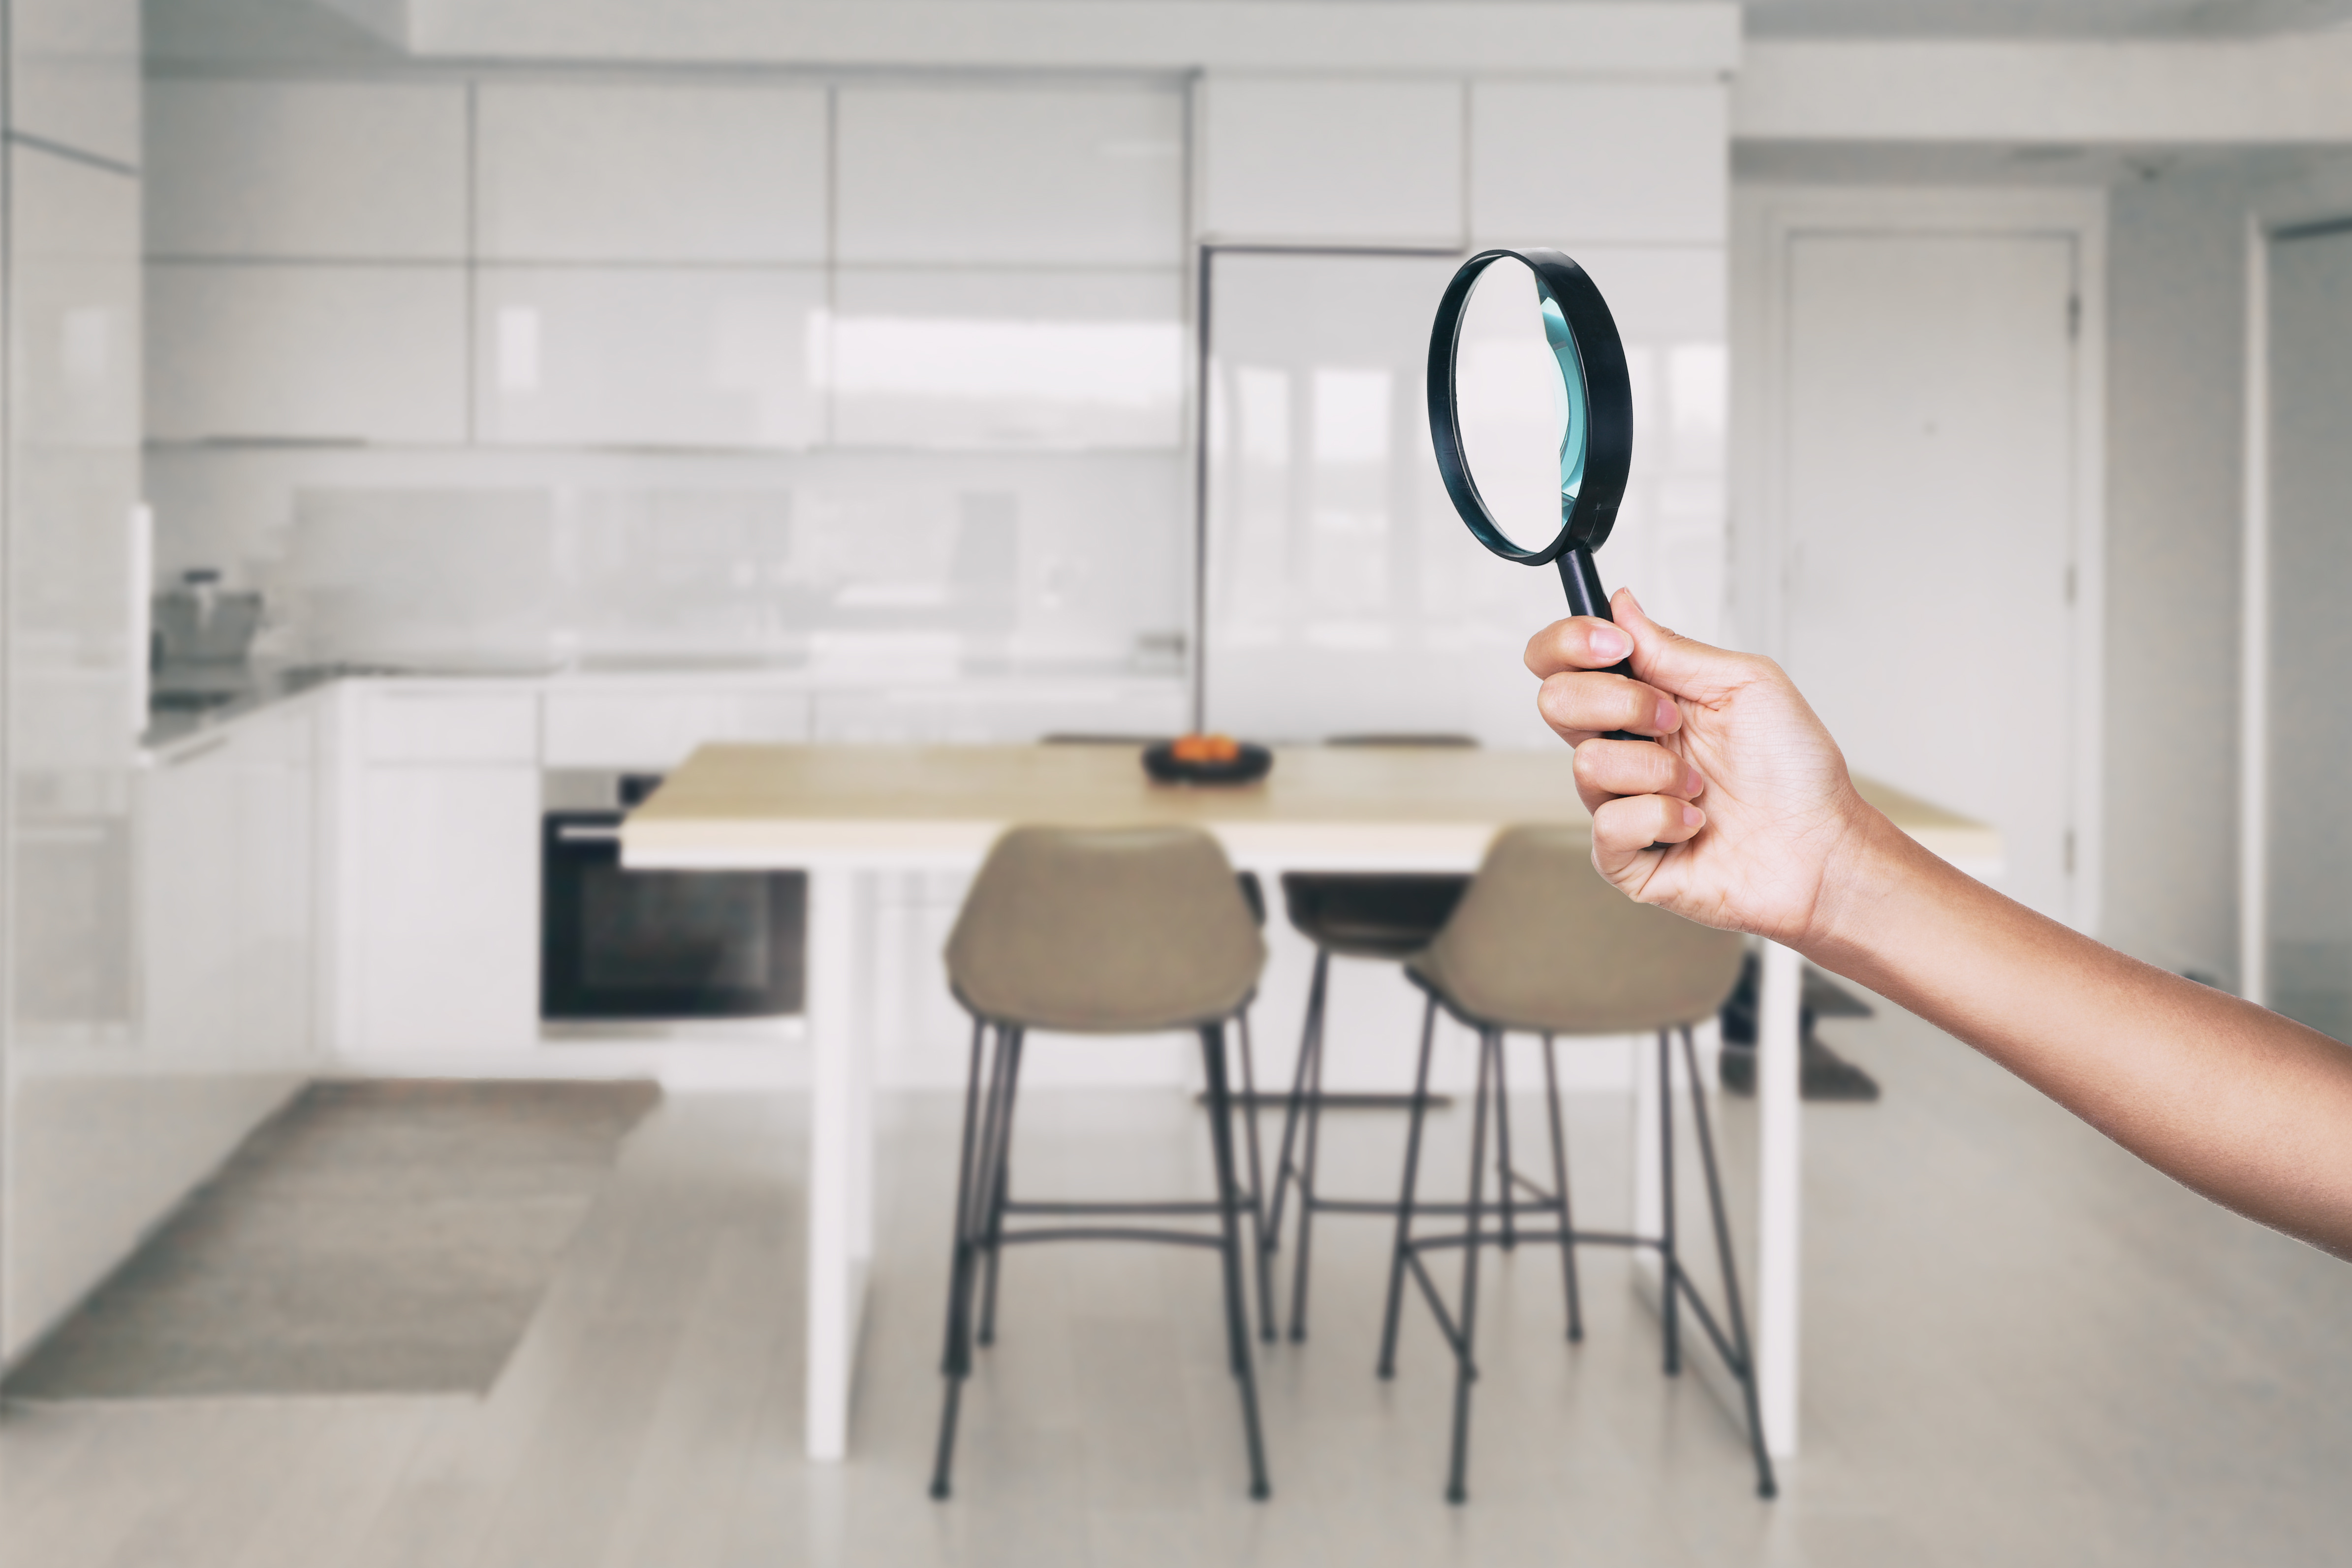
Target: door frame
(1765,220)
(2263,231)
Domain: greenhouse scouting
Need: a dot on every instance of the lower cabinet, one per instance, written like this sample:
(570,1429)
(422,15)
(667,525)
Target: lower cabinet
(227,877)
(437,885)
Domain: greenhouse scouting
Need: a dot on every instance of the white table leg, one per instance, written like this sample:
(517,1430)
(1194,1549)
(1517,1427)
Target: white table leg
(1780,1156)
(838,1147)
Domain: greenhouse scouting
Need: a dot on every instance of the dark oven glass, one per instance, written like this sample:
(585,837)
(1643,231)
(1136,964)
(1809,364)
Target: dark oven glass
(662,944)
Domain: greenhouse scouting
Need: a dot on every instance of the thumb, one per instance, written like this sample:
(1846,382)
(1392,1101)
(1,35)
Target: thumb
(1675,664)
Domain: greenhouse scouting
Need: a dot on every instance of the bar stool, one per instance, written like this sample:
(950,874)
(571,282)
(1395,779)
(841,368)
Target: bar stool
(1095,931)
(1542,945)
(1376,915)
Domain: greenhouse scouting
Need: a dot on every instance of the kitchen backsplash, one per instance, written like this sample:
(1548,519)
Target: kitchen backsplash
(906,564)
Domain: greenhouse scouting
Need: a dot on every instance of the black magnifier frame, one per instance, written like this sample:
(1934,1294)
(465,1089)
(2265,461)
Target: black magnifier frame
(1609,430)
(1609,422)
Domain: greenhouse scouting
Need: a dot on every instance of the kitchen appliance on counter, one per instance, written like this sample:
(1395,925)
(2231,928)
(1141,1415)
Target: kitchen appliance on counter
(198,622)
(652,946)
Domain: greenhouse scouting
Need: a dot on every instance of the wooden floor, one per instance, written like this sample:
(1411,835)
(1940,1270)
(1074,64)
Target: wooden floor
(2021,1349)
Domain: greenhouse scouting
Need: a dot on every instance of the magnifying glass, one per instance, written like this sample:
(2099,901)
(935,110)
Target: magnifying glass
(1528,392)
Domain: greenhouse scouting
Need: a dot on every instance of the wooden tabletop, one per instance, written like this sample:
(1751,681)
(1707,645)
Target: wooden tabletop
(754,805)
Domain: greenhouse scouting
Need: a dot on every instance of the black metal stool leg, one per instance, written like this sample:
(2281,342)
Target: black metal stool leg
(1559,1188)
(1309,1032)
(1258,1232)
(1000,1187)
(1503,1178)
(1465,1367)
(955,1361)
(1673,1267)
(1766,1486)
(1397,1259)
(1309,1157)
(1221,1139)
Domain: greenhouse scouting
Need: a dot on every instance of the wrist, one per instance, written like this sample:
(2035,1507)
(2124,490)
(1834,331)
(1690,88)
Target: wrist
(1868,864)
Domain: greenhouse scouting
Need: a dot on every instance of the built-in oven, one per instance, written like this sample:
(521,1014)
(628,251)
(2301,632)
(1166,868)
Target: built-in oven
(617,944)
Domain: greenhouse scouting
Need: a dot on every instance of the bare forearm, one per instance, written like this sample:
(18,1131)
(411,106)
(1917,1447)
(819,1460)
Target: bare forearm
(2243,1105)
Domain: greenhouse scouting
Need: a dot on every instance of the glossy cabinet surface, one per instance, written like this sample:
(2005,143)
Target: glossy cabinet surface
(655,730)
(228,870)
(648,356)
(612,172)
(307,171)
(73,74)
(437,891)
(1563,163)
(1056,176)
(1293,159)
(1007,359)
(262,352)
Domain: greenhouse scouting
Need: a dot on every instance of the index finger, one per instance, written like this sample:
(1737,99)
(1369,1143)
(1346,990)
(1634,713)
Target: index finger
(1579,642)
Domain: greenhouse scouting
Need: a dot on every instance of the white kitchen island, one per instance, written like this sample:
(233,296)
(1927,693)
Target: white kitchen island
(845,814)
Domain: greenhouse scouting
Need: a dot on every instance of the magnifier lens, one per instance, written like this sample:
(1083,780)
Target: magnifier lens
(1520,395)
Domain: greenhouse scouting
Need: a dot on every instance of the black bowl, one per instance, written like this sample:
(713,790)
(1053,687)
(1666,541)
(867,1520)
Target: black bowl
(1165,766)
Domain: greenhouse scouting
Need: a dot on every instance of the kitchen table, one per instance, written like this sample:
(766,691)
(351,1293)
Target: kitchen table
(845,812)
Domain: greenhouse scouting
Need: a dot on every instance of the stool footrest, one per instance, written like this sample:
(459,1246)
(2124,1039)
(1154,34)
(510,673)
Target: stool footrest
(1107,1233)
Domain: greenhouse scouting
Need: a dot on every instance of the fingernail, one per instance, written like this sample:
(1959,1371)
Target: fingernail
(1692,783)
(1693,816)
(1668,715)
(1609,643)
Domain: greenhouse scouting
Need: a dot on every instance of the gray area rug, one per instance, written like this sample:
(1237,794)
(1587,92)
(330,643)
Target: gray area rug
(387,1236)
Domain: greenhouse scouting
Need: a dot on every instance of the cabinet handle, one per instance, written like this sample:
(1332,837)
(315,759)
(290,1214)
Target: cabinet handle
(574,834)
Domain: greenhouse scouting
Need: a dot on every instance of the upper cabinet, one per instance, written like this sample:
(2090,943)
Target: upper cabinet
(316,353)
(599,172)
(306,171)
(1560,162)
(1070,176)
(73,74)
(1323,159)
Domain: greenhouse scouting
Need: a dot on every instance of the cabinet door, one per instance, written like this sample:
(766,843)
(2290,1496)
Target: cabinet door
(321,353)
(648,357)
(1318,159)
(608,171)
(654,730)
(225,893)
(1068,176)
(74,74)
(1568,163)
(445,901)
(188,897)
(306,171)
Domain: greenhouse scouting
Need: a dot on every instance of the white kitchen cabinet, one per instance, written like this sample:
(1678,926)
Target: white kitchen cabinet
(655,730)
(1007,360)
(438,874)
(340,170)
(1364,161)
(648,357)
(1565,162)
(74,74)
(228,878)
(1053,176)
(364,355)
(613,171)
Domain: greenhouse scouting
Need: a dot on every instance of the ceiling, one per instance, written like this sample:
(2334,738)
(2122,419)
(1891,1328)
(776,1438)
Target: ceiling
(2039,18)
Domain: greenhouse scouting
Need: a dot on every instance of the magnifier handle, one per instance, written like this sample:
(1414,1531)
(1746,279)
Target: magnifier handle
(1585,597)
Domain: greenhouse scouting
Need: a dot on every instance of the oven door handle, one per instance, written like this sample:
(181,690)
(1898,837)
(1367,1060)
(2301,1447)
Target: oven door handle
(574,832)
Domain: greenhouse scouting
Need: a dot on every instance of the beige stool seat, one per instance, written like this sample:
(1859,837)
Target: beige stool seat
(1541,944)
(1094,932)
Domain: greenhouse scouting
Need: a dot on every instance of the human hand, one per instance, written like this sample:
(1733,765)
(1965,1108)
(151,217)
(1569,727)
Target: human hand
(1757,826)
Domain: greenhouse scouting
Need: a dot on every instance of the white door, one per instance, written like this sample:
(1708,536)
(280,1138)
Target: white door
(2309,895)
(1928,469)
